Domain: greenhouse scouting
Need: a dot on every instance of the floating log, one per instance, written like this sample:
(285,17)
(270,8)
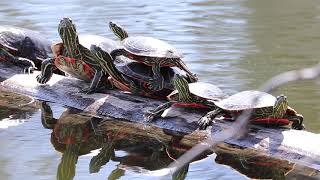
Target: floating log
(292,145)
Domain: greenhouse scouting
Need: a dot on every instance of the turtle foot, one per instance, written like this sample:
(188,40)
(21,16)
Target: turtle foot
(297,126)
(149,116)
(297,122)
(204,122)
(27,64)
(29,70)
(42,79)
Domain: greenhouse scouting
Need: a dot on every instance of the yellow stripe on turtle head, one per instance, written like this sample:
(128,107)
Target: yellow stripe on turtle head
(280,107)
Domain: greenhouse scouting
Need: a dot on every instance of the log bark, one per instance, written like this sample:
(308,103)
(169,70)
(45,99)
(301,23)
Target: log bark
(292,145)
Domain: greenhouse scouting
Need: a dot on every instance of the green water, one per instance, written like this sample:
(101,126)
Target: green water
(236,44)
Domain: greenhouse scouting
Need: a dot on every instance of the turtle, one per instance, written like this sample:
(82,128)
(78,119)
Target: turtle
(24,47)
(268,110)
(190,95)
(150,51)
(133,76)
(74,57)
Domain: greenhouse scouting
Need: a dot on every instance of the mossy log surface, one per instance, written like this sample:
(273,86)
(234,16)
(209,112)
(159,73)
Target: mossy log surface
(292,145)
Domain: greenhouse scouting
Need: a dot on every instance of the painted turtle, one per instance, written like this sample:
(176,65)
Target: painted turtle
(134,77)
(74,57)
(194,95)
(267,109)
(23,47)
(150,51)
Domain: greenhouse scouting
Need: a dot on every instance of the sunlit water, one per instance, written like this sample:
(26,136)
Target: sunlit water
(235,44)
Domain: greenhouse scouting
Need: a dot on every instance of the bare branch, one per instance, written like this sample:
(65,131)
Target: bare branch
(239,126)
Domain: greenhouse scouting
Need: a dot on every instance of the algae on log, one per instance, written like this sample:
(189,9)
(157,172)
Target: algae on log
(292,145)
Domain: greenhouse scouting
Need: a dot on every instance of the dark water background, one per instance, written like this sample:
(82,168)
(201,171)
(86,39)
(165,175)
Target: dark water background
(236,44)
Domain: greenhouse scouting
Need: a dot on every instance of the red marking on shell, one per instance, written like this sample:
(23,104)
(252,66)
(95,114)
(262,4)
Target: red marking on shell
(271,122)
(3,58)
(191,105)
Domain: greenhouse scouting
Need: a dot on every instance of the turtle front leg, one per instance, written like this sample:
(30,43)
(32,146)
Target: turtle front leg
(296,121)
(47,68)
(156,113)
(94,83)
(25,63)
(157,82)
(207,120)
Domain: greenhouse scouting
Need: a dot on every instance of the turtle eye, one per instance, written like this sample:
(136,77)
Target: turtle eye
(76,51)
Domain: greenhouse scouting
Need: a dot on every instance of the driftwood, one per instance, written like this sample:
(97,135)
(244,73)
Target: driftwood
(292,145)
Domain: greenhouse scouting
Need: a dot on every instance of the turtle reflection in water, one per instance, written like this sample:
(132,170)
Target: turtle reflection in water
(144,152)
(74,140)
(73,137)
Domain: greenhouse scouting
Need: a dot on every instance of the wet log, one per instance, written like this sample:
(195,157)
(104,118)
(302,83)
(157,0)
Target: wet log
(295,146)
(145,141)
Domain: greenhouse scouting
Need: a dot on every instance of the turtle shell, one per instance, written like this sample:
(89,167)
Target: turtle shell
(247,100)
(105,44)
(25,43)
(204,90)
(143,73)
(150,47)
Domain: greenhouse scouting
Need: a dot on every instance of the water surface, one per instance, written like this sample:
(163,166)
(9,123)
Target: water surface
(235,44)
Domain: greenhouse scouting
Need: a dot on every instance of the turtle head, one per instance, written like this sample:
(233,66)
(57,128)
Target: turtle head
(181,85)
(280,106)
(118,30)
(68,33)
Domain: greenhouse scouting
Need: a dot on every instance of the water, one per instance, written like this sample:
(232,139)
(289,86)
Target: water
(236,44)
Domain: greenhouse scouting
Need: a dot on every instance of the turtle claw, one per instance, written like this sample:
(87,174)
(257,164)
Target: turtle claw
(298,126)
(204,122)
(28,70)
(149,116)
(41,79)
